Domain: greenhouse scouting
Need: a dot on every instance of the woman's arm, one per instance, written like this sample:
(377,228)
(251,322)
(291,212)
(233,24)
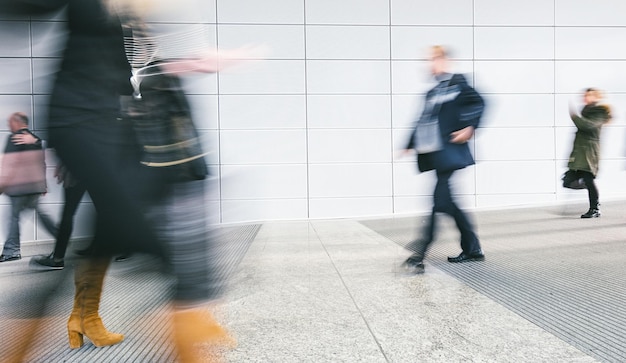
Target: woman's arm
(30,7)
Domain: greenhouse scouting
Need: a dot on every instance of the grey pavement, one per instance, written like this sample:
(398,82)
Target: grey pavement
(552,289)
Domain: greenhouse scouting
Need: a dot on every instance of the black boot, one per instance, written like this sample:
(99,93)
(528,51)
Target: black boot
(592,213)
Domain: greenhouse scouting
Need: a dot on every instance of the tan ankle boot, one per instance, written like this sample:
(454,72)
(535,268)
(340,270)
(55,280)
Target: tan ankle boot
(85,319)
(197,326)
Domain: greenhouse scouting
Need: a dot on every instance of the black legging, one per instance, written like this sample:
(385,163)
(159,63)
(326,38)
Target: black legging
(103,155)
(73,196)
(591,188)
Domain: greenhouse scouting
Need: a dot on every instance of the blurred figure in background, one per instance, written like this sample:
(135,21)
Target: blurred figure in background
(452,112)
(585,156)
(174,158)
(99,149)
(23,179)
(129,167)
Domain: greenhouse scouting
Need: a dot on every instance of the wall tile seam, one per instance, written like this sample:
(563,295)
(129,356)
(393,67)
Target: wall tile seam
(324,163)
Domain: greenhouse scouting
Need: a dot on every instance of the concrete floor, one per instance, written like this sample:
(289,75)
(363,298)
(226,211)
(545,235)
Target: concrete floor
(334,291)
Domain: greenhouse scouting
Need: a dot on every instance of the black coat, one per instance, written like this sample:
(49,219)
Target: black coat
(94,71)
(463,111)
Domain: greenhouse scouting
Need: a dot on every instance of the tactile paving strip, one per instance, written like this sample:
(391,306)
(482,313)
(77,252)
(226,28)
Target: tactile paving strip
(135,302)
(574,289)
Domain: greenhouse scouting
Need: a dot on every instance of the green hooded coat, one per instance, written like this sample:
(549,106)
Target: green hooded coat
(586,153)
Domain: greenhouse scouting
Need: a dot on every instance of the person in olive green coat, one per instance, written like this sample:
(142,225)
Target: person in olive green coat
(585,156)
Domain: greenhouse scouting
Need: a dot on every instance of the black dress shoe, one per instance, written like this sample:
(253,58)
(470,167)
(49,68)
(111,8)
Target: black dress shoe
(46,262)
(5,258)
(414,264)
(463,257)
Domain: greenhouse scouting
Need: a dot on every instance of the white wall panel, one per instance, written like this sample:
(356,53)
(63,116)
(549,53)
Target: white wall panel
(585,43)
(562,104)
(348,111)
(349,180)
(341,146)
(262,146)
(563,143)
(414,42)
(14,103)
(15,39)
(514,43)
(400,141)
(599,13)
(518,110)
(237,211)
(575,76)
(507,177)
(406,109)
(211,145)
(203,84)
(510,13)
(18,80)
(514,76)
(352,77)
(375,12)
(443,12)
(515,143)
(183,11)
(611,179)
(613,142)
(350,207)
(261,12)
(408,181)
(264,77)
(204,111)
(421,204)
(264,181)
(510,200)
(347,42)
(282,41)
(262,111)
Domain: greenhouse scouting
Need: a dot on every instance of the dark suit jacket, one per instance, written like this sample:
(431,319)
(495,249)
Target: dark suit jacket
(463,111)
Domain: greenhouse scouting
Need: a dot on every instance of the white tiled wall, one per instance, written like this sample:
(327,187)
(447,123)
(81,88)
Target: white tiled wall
(311,130)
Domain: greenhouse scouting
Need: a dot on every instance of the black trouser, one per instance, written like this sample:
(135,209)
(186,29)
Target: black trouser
(72,196)
(591,188)
(104,156)
(444,203)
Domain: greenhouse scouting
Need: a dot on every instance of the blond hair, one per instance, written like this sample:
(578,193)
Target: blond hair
(439,51)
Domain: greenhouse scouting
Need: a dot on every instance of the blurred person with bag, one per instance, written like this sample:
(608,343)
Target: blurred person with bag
(23,179)
(452,112)
(584,159)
